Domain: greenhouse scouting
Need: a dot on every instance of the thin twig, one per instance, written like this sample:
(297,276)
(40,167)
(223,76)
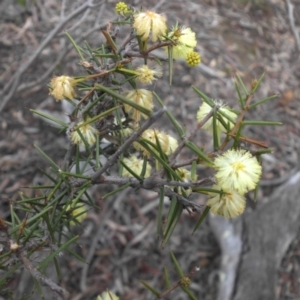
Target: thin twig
(177,284)
(41,278)
(292,22)
(14,82)
(151,182)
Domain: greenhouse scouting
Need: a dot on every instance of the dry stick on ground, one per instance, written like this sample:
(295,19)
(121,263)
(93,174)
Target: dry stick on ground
(104,215)
(14,82)
(231,246)
(57,290)
(292,23)
(268,231)
(267,234)
(62,52)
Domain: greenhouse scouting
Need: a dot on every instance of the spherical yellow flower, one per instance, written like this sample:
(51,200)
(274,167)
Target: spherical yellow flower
(63,87)
(14,246)
(88,132)
(193,59)
(78,212)
(185,281)
(141,97)
(172,145)
(121,8)
(126,130)
(204,109)
(108,296)
(147,75)
(185,40)
(151,135)
(184,174)
(136,165)
(230,204)
(237,170)
(145,22)
(167,143)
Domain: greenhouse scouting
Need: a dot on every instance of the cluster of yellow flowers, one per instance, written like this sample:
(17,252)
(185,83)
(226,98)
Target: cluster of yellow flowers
(147,25)
(238,172)
(151,25)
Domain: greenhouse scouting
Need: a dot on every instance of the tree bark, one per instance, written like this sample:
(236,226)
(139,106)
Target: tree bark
(266,235)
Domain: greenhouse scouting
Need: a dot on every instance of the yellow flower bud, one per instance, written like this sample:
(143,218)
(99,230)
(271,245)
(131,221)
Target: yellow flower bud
(185,281)
(121,8)
(193,59)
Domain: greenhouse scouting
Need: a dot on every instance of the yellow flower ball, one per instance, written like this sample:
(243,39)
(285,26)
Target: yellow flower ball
(237,170)
(88,132)
(141,97)
(203,111)
(79,213)
(149,21)
(185,40)
(172,145)
(147,75)
(121,8)
(185,281)
(167,143)
(193,59)
(229,205)
(184,174)
(63,87)
(152,135)
(108,296)
(136,165)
